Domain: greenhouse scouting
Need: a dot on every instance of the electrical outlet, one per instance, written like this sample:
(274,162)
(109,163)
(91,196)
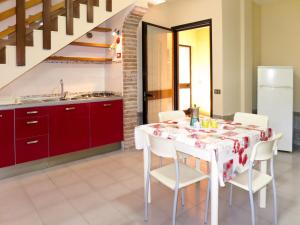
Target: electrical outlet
(217,91)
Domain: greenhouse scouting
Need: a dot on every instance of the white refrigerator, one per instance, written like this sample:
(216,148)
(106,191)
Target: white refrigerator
(275,100)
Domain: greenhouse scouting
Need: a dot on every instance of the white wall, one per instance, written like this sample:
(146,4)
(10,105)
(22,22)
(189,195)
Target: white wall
(246,55)
(44,79)
(256,35)
(231,56)
(280,35)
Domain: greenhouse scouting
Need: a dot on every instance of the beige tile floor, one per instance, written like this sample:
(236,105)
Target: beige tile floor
(108,190)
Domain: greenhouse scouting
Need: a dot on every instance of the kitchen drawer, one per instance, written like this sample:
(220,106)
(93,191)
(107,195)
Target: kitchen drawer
(31,112)
(34,148)
(32,126)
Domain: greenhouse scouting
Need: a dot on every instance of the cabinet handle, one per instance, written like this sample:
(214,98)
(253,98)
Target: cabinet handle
(70,108)
(32,122)
(32,112)
(32,142)
(107,105)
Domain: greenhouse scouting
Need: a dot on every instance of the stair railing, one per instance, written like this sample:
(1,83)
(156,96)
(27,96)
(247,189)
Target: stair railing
(20,28)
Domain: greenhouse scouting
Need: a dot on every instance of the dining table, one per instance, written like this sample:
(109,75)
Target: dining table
(226,146)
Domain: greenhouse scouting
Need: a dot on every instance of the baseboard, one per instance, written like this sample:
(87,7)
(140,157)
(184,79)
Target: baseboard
(56,160)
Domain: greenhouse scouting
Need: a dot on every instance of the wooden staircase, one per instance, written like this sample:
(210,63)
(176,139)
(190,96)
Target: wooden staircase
(50,30)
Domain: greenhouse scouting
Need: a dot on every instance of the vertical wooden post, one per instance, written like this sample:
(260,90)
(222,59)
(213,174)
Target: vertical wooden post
(76,12)
(69,16)
(20,32)
(90,12)
(109,5)
(96,2)
(46,24)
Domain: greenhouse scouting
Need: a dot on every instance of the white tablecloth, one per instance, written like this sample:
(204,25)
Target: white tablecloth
(232,142)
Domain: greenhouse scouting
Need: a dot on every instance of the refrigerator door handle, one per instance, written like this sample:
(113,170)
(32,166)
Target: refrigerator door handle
(270,86)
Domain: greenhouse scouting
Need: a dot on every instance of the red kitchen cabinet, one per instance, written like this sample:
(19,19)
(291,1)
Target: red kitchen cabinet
(69,128)
(7,154)
(32,148)
(106,122)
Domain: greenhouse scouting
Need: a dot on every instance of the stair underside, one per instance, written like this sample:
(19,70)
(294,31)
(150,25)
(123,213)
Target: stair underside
(36,54)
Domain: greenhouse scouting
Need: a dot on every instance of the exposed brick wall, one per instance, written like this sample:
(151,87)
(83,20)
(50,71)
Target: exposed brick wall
(130,90)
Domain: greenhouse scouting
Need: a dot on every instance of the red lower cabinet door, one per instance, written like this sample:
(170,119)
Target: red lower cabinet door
(7,154)
(32,148)
(106,122)
(69,128)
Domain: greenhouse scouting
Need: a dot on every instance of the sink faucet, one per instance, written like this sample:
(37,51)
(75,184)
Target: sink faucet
(62,92)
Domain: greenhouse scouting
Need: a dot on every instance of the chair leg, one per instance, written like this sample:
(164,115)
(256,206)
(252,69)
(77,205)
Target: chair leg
(182,197)
(274,201)
(252,208)
(207,201)
(175,206)
(230,195)
(146,197)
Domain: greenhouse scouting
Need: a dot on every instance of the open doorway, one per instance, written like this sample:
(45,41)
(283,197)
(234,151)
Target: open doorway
(177,68)
(193,57)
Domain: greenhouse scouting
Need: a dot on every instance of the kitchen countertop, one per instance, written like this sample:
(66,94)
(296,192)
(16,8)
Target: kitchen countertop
(40,103)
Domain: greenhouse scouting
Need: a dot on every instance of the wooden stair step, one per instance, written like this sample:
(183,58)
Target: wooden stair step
(102,29)
(82,59)
(87,44)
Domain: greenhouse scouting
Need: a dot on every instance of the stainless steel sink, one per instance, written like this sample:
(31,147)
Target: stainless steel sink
(83,96)
(51,100)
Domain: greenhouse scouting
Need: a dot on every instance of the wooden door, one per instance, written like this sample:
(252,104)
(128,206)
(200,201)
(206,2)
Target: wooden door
(157,71)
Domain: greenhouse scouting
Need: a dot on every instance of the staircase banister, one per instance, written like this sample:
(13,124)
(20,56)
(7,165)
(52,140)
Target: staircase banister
(12,11)
(36,17)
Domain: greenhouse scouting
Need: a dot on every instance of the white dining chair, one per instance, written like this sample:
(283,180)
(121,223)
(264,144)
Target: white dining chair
(175,116)
(251,119)
(254,180)
(175,175)
(171,115)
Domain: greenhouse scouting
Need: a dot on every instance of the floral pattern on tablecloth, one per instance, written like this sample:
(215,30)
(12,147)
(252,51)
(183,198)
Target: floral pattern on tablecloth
(232,142)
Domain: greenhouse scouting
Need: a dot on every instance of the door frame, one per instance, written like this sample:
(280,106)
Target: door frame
(145,66)
(175,30)
(189,26)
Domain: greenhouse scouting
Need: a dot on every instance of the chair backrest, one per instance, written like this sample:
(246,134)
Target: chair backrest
(171,115)
(162,147)
(253,119)
(264,150)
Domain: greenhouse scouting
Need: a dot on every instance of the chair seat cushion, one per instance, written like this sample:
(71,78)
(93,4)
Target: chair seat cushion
(259,180)
(187,175)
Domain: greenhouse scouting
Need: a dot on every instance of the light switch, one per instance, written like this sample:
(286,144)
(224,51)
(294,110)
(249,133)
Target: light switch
(217,91)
